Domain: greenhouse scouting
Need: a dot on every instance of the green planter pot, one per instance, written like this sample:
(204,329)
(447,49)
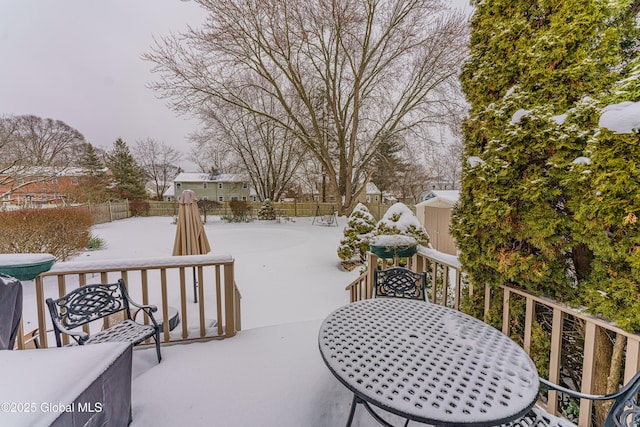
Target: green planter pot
(394,251)
(25,266)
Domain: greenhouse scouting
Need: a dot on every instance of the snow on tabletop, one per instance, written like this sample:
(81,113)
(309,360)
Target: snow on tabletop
(621,118)
(138,262)
(52,376)
(24,259)
(393,240)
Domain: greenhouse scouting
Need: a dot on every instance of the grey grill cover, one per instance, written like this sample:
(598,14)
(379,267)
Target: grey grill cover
(10,310)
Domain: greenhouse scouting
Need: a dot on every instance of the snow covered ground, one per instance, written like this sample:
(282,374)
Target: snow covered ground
(271,373)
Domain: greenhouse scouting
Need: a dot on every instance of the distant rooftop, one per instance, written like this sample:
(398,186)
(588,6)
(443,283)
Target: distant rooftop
(205,177)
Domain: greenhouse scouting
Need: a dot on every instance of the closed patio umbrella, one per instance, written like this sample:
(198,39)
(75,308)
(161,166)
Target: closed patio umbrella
(191,238)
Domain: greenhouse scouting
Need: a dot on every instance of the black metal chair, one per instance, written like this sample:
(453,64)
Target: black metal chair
(624,411)
(93,302)
(400,282)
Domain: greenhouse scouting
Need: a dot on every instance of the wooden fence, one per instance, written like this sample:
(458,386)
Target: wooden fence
(107,212)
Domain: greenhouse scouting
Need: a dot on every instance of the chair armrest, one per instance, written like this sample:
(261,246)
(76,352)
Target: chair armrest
(79,336)
(551,386)
(147,309)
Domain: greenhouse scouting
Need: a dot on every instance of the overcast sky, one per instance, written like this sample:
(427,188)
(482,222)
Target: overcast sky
(79,61)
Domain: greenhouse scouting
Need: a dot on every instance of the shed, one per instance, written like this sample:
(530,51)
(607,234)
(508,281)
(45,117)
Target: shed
(434,213)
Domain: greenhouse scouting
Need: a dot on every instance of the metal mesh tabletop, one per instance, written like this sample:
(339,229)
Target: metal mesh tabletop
(428,363)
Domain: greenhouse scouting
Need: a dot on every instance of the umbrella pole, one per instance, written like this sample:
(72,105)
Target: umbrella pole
(195,285)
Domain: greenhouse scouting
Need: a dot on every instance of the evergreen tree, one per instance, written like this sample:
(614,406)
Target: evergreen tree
(355,243)
(609,178)
(94,182)
(128,176)
(89,160)
(266,211)
(534,71)
(400,220)
(387,166)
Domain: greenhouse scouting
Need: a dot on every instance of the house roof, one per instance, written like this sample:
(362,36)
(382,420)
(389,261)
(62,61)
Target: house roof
(440,198)
(205,177)
(372,188)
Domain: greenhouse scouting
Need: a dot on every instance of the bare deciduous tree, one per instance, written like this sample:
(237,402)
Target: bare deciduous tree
(159,162)
(376,68)
(268,153)
(413,182)
(33,149)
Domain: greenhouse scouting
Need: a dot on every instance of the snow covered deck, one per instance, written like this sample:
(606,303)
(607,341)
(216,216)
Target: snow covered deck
(270,376)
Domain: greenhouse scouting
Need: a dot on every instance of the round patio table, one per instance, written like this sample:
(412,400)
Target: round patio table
(427,363)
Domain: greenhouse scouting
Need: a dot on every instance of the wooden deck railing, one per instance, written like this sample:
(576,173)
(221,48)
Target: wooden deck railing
(167,283)
(446,287)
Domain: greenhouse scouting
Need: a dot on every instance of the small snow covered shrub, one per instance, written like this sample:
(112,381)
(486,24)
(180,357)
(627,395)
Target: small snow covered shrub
(355,243)
(62,232)
(400,220)
(95,243)
(240,210)
(267,212)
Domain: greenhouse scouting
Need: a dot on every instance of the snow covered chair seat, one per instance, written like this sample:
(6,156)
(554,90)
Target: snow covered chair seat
(93,302)
(624,411)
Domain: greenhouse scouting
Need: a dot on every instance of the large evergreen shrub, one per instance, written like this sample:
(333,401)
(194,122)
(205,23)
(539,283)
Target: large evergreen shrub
(533,80)
(548,197)
(355,243)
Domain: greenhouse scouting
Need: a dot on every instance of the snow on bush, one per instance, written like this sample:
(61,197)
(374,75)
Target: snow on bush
(355,243)
(400,220)
(623,117)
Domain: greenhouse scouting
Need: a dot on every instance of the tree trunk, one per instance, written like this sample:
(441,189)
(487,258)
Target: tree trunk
(603,359)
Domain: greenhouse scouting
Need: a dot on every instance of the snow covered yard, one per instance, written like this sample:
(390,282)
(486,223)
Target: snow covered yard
(271,373)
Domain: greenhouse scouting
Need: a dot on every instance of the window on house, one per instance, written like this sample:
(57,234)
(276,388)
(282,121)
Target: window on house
(376,199)
(368,199)
(74,180)
(221,198)
(244,198)
(220,185)
(255,198)
(245,185)
(234,197)
(178,185)
(204,185)
(205,198)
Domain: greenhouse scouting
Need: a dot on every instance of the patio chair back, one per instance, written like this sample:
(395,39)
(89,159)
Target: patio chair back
(400,282)
(90,302)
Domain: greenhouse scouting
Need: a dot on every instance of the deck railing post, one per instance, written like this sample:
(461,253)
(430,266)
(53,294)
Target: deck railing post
(372,263)
(229,301)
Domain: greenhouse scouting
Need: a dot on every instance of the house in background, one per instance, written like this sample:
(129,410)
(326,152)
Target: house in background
(218,188)
(373,195)
(434,213)
(40,187)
